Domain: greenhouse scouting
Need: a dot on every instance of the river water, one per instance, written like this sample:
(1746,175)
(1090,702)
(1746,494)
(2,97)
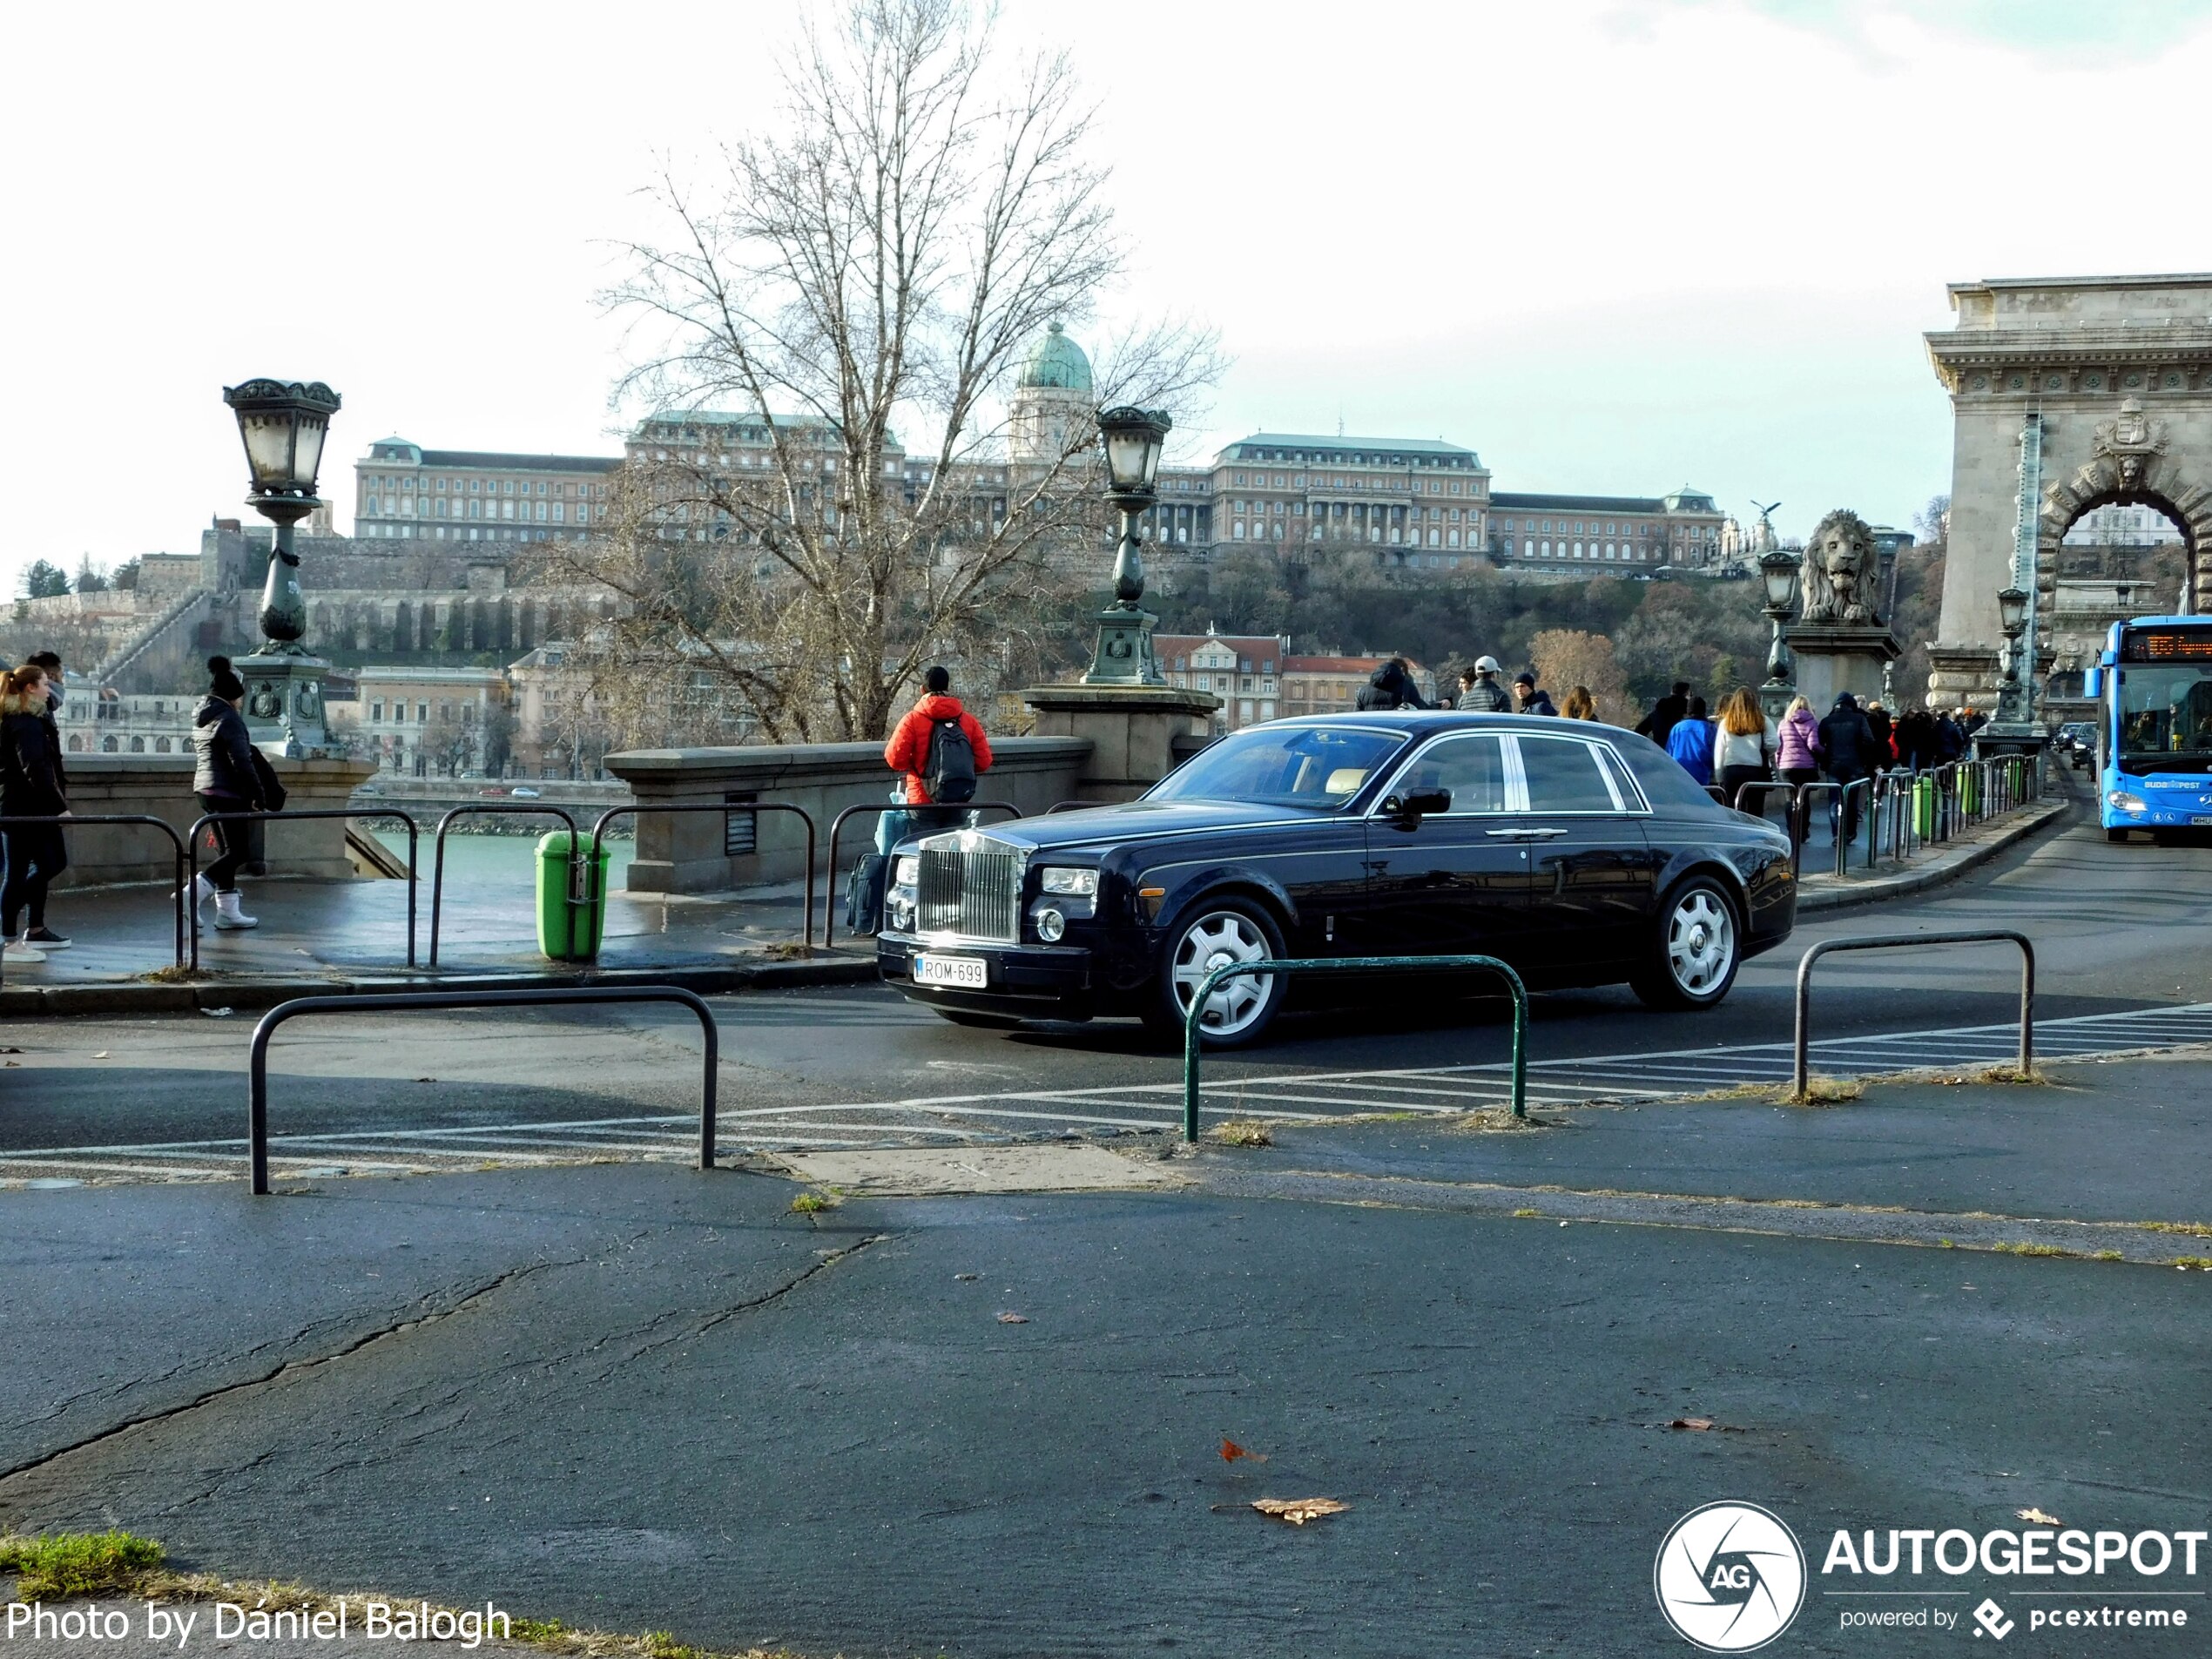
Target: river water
(491,858)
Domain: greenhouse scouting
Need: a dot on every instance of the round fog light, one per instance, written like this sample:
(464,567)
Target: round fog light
(1050,925)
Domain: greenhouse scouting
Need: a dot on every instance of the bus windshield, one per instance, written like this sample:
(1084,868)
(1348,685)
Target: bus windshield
(2166,717)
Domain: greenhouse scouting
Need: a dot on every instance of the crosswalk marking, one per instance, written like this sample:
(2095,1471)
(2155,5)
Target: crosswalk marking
(1430,1090)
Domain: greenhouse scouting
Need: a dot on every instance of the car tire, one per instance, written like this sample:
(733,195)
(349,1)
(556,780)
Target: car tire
(979,1021)
(1695,949)
(1209,934)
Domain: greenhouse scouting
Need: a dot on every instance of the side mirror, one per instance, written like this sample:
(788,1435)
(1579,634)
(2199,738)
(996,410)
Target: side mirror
(2093,682)
(1417,803)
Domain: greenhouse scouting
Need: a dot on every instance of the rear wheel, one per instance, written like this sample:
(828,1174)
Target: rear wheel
(1692,960)
(1239,1009)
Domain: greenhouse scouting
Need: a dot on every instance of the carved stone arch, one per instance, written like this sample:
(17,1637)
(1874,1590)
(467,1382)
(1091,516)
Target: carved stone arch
(2159,484)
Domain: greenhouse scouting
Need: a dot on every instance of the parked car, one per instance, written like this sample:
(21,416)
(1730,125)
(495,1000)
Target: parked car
(1580,853)
(2077,741)
(495,791)
(524,792)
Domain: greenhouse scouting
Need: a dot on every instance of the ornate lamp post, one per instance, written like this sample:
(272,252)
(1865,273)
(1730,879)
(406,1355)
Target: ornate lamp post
(1778,570)
(2013,695)
(1131,439)
(283,424)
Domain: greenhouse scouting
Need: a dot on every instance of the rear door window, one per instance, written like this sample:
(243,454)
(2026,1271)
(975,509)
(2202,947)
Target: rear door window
(1566,776)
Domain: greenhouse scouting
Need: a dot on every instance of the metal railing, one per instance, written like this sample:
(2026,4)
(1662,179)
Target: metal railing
(583,887)
(837,824)
(1802,1042)
(397,1002)
(65,820)
(1192,1021)
(1842,811)
(489,809)
(191,843)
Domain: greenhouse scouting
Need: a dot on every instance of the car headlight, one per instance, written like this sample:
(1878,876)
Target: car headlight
(906,871)
(1083,884)
(2120,801)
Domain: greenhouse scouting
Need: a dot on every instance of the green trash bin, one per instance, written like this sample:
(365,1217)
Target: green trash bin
(1924,807)
(1969,790)
(566,932)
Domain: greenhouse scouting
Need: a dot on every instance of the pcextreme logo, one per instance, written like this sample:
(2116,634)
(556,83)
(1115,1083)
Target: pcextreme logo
(1730,1577)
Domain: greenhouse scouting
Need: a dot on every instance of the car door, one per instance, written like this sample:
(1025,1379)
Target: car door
(1455,882)
(1590,867)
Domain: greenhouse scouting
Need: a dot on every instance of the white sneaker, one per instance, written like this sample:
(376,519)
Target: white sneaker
(228,916)
(22,950)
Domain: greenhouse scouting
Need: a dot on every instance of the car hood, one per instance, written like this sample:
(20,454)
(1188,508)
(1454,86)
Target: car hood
(1138,820)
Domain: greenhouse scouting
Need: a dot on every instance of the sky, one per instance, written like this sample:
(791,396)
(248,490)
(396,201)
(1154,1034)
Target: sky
(1614,246)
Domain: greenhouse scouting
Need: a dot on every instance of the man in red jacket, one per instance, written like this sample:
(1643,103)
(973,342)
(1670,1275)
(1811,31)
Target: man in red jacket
(908,752)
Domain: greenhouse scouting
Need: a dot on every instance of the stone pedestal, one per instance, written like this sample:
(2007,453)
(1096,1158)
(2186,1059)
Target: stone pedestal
(1832,658)
(284,703)
(1131,731)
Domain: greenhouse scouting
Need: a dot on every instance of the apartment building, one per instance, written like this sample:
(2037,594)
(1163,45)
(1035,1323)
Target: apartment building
(1416,502)
(424,722)
(1331,685)
(1242,669)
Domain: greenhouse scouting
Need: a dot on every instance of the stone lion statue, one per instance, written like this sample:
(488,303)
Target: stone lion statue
(1836,578)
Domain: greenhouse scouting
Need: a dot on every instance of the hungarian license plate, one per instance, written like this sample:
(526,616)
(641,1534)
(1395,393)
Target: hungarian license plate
(969,973)
(2202,817)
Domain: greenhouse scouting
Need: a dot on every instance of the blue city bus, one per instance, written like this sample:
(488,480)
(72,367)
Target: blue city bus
(2154,691)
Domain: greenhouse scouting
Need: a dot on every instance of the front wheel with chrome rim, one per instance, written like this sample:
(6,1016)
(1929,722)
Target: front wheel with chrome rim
(1239,1009)
(1694,957)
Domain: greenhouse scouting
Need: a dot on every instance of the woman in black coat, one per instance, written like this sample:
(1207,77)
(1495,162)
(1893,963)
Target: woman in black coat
(30,787)
(225,779)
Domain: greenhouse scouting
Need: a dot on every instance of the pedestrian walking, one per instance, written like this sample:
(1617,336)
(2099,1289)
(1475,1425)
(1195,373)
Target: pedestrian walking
(1391,686)
(1483,695)
(30,787)
(1580,705)
(1527,699)
(226,780)
(1950,737)
(1915,740)
(1878,721)
(1691,742)
(1797,755)
(1846,748)
(1666,714)
(1743,749)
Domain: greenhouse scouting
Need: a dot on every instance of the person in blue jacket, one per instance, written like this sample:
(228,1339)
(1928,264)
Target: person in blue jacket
(1691,742)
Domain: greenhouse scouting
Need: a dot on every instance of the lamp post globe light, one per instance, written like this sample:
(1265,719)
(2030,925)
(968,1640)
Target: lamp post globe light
(282,425)
(1132,439)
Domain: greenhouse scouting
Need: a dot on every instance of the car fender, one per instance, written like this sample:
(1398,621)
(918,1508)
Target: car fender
(1703,860)
(1203,883)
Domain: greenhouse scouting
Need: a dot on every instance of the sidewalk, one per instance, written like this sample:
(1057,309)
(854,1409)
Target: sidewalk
(336,938)
(993,1422)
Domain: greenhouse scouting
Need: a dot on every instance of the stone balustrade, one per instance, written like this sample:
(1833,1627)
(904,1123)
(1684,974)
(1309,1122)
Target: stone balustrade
(690,852)
(161,786)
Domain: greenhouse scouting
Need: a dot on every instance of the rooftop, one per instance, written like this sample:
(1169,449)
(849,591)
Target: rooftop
(398,451)
(1386,450)
(1681,500)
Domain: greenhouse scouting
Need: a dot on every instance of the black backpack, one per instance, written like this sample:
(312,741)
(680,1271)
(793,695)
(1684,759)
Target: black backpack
(948,770)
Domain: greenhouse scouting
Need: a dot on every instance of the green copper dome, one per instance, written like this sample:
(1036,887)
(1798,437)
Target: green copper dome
(1056,360)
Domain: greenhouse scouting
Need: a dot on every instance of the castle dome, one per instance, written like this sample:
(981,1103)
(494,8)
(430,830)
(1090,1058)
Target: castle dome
(1056,360)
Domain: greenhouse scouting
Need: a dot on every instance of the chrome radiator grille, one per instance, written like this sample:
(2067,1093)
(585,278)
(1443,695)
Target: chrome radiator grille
(976,892)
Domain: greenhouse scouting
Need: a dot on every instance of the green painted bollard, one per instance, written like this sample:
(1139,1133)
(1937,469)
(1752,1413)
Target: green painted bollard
(1195,1018)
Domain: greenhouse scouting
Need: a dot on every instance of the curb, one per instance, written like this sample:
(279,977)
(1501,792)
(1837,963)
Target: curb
(33,1002)
(1944,867)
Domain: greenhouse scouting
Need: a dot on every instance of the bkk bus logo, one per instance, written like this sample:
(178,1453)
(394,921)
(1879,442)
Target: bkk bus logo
(1730,1577)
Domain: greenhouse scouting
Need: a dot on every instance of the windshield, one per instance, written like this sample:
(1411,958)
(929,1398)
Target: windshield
(2166,717)
(1282,765)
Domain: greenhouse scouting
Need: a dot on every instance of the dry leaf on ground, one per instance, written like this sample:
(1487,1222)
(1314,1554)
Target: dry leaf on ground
(2038,1517)
(1299,1511)
(1014,1318)
(1704,1425)
(1230,1452)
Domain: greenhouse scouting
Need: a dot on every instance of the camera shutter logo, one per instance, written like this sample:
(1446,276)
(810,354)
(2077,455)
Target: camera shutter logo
(1730,1577)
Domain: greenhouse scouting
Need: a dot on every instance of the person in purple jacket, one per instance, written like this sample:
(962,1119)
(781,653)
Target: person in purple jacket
(1797,756)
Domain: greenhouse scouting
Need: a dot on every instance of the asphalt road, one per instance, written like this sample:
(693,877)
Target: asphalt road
(2117,927)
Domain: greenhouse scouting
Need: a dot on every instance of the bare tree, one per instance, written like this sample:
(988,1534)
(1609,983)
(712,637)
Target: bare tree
(1565,658)
(874,269)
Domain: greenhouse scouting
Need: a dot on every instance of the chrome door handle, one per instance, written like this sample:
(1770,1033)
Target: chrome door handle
(1524,834)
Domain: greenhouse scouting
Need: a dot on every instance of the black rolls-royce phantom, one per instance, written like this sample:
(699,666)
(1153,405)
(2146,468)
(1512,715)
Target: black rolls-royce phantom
(1579,853)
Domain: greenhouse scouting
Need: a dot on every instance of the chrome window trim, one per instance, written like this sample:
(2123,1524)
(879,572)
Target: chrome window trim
(1607,759)
(1516,793)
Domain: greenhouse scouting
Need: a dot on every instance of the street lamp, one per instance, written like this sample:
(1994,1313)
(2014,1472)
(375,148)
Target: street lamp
(2012,618)
(282,424)
(1778,570)
(1131,439)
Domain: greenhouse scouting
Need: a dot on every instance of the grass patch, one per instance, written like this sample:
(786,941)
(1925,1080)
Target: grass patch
(1496,1120)
(2190,1228)
(1241,1131)
(787,950)
(1523,1215)
(2108,1256)
(77,1563)
(1825,1091)
(173,974)
(2014,1075)
(2203,1264)
(2032,1250)
(811,1204)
